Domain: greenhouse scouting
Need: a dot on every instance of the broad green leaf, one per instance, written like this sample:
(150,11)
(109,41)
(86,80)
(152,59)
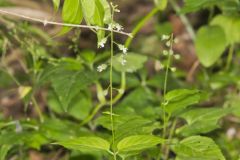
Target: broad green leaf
(198,148)
(79,106)
(3,151)
(194,5)
(98,19)
(141,100)
(229,7)
(72,13)
(230,25)
(56,4)
(67,84)
(61,130)
(31,139)
(86,143)
(234,104)
(133,62)
(88,56)
(107,11)
(128,125)
(161,4)
(179,99)
(135,144)
(210,44)
(201,120)
(68,78)
(88,7)
(93,12)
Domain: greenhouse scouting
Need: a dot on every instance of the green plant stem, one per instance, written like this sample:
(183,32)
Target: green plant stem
(170,138)
(111,88)
(230,56)
(165,120)
(37,108)
(184,19)
(140,25)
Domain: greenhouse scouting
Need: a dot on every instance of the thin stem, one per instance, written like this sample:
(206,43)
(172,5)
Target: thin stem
(111,86)
(92,115)
(37,108)
(46,22)
(140,25)
(230,56)
(184,19)
(165,117)
(165,121)
(170,138)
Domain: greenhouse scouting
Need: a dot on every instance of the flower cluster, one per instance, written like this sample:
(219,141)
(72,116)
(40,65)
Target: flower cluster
(102,43)
(115,26)
(170,53)
(123,56)
(102,67)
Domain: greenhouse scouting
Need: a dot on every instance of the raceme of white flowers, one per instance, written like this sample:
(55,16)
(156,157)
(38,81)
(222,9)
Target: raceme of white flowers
(170,52)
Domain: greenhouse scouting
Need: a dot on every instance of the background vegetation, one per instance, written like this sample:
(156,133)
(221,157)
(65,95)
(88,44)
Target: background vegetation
(121,79)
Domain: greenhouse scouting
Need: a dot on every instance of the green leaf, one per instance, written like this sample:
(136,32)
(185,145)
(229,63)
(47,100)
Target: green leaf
(194,5)
(179,99)
(68,79)
(79,106)
(133,62)
(61,129)
(31,139)
(230,25)
(161,4)
(198,148)
(229,7)
(98,19)
(86,143)
(201,120)
(72,13)
(88,7)
(56,4)
(128,125)
(67,84)
(234,104)
(3,151)
(135,144)
(210,44)
(107,14)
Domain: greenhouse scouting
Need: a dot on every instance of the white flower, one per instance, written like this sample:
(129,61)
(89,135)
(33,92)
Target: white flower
(177,56)
(165,37)
(117,10)
(123,62)
(176,40)
(102,67)
(118,27)
(122,48)
(165,53)
(102,43)
(173,69)
(110,26)
(168,43)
